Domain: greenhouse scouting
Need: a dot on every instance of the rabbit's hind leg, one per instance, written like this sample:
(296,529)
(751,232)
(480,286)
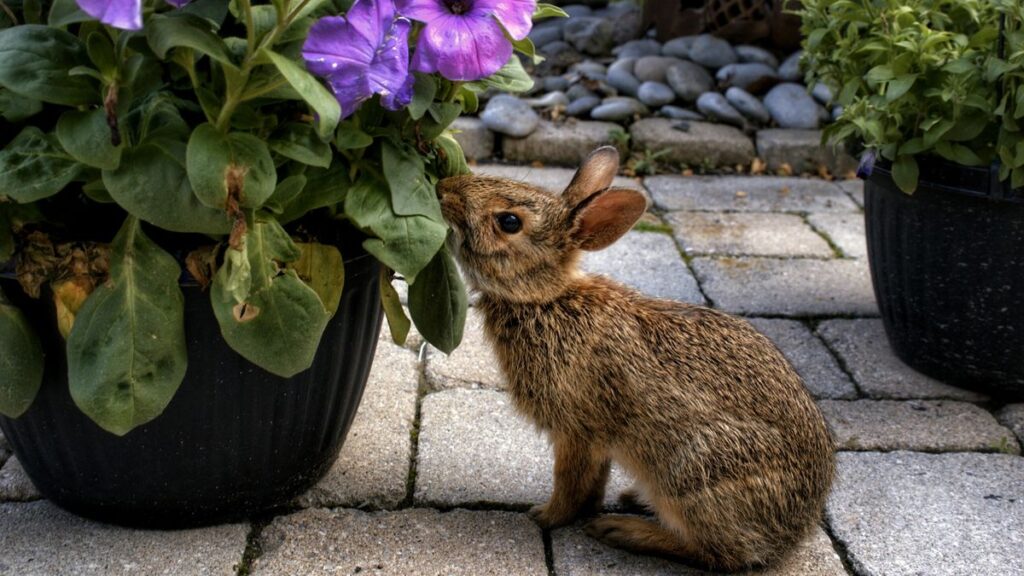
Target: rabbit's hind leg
(642,536)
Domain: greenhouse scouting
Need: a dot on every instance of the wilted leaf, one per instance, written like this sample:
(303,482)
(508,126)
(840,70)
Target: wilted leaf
(322,268)
(219,165)
(398,323)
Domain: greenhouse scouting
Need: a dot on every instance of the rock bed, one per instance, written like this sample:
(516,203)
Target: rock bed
(597,67)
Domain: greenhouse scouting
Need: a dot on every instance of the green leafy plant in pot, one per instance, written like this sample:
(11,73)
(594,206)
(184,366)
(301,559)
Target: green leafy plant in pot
(933,92)
(202,205)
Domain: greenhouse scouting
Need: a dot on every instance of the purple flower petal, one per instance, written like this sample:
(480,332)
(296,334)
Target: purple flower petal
(423,10)
(462,48)
(515,15)
(366,52)
(178,3)
(867,164)
(123,14)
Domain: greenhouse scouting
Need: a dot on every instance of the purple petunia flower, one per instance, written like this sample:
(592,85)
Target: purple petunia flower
(363,53)
(463,39)
(123,14)
(867,164)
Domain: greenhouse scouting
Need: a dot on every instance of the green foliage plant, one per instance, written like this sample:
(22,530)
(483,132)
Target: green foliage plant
(923,78)
(207,147)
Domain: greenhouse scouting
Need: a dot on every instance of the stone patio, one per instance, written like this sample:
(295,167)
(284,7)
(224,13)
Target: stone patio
(438,470)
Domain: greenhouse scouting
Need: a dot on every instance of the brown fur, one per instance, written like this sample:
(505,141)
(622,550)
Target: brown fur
(724,442)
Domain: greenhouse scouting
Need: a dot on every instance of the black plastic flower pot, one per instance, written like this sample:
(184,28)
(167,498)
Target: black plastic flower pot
(235,440)
(947,264)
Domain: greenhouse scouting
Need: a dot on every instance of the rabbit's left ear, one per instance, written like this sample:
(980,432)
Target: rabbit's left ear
(604,217)
(596,173)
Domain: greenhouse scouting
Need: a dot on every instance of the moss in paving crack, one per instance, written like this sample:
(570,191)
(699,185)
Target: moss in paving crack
(414,434)
(814,324)
(549,552)
(253,550)
(836,251)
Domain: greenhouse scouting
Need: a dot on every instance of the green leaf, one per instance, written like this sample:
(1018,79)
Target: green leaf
(398,322)
(437,302)
(958,153)
(21,361)
(181,29)
(423,93)
(279,324)
(300,143)
(33,166)
(15,108)
(322,268)
(350,137)
(235,163)
(152,183)
(101,52)
(327,109)
(86,136)
(403,243)
(287,190)
(64,12)
(441,116)
(126,351)
(35,62)
(512,77)
(323,188)
(880,74)
(899,86)
(451,157)
(548,11)
(6,235)
(905,173)
(411,192)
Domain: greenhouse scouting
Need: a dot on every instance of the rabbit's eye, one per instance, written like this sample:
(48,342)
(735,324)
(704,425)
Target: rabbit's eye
(509,223)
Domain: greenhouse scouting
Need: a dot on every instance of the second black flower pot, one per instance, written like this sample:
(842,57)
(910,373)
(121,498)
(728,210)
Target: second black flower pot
(947,264)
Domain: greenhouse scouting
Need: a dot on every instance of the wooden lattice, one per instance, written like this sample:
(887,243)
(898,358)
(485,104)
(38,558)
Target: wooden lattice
(745,20)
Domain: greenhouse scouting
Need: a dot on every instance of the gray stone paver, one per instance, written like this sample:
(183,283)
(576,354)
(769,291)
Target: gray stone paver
(695,144)
(473,448)
(747,194)
(15,484)
(746,234)
(476,140)
(1012,416)
(854,188)
(373,466)
(906,513)
(797,287)
(920,425)
(863,348)
(845,230)
(471,365)
(809,356)
(800,149)
(548,178)
(39,539)
(576,554)
(649,262)
(416,542)
(559,144)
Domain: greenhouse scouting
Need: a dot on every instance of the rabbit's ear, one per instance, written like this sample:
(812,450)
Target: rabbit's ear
(596,173)
(604,217)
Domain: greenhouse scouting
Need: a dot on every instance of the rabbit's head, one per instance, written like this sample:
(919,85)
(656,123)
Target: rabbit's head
(521,243)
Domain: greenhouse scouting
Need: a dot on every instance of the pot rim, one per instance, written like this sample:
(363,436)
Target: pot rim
(941,174)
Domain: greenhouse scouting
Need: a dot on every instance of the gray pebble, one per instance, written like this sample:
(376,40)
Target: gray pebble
(545,34)
(509,115)
(823,114)
(549,100)
(789,71)
(837,111)
(677,113)
(653,68)
(748,105)
(590,35)
(714,105)
(577,10)
(616,109)
(678,47)
(591,67)
(749,76)
(638,48)
(582,106)
(712,52)
(628,25)
(792,107)
(822,93)
(655,94)
(625,64)
(689,80)
(578,91)
(553,83)
(623,81)
(747,53)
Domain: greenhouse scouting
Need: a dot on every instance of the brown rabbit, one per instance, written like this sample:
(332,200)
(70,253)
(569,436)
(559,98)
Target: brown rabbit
(722,439)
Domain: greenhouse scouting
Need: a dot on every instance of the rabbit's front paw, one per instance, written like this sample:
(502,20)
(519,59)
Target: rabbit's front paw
(547,517)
